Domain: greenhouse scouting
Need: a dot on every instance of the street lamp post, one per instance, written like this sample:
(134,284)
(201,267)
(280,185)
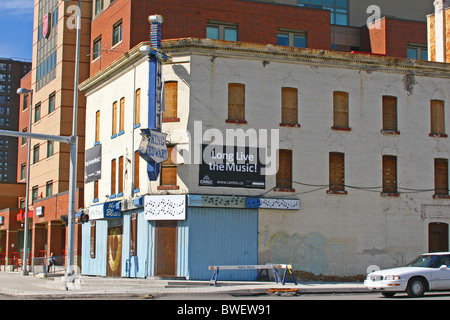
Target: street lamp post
(23,91)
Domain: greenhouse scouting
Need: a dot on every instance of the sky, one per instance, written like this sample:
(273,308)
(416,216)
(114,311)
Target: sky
(16,29)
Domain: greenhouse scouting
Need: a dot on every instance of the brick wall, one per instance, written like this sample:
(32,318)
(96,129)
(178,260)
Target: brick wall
(257,22)
(393,37)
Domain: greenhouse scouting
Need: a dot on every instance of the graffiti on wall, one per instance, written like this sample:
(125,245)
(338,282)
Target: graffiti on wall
(312,252)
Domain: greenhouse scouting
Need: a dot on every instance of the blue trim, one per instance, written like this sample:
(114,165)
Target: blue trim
(97,143)
(113,136)
(95,200)
(120,194)
(112,196)
(136,126)
(121,133)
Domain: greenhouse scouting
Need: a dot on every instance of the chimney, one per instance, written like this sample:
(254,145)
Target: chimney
(440,31)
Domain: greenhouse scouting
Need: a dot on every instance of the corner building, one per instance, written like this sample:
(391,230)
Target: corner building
(352,189)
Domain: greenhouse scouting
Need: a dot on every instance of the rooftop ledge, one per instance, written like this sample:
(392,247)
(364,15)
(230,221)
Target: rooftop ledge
(269,52)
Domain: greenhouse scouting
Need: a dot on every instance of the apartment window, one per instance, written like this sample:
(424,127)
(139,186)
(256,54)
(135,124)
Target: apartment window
(23,171)
(113,177)
(120,175)
(37,112)
(417,52)
(25,102)
(98,6)
(437,118)
(50,150)
(97,48)
(291,39)
(136,170)
(122,116)
(340,111)
(336,172)
(389,174)
(117,33)
(114,118)
(51,103)
(36,153)
(338,9)
(170,101)
(284,173)
(137,111)
(97,126)
(34,193)
(289,106)
(236,103)
(49,188)
(222,31)
(441,177)
(168,171)
(24,140)
(390,114)
(133,234)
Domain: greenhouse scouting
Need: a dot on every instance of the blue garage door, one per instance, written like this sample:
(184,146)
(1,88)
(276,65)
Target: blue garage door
(218,236)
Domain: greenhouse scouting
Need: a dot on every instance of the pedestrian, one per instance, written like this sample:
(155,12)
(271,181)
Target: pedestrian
(51,262)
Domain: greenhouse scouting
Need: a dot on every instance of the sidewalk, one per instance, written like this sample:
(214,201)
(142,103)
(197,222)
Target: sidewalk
(54,287)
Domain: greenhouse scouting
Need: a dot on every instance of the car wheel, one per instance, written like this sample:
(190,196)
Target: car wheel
(388,294)
(416,287)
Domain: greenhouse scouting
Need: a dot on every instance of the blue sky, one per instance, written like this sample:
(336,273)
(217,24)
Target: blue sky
(16,29)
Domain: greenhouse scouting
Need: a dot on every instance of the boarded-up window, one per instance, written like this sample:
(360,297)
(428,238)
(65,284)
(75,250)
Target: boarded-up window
(289,105)
(438,238)
(437,117)
(336,171)
(389,174)
(137,110)
(133,235)
(340,109)
(441,176)
(113,176)
(97,126)
(96,189)
(169,170)
(389,113)
(114,118)
(284,174)
(121,174)
(136,169)
(122,115)
(170,100)
(236,101)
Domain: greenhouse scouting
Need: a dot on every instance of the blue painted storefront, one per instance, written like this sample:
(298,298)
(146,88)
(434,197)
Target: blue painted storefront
(208,236)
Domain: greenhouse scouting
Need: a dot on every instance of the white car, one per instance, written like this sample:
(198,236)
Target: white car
(428,272)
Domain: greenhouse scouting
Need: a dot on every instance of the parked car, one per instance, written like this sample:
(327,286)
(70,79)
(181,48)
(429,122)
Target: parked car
(428,272)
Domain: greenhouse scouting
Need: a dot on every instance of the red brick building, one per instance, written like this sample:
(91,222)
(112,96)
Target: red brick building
(255,22)
(394,37)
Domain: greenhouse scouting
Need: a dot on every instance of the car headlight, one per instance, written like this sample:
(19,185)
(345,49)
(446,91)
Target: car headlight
(392,278)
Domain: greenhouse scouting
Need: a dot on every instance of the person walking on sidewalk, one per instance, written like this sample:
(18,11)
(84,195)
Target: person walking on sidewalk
(51,262)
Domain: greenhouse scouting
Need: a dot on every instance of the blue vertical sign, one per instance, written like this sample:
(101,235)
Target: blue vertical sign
(154,89)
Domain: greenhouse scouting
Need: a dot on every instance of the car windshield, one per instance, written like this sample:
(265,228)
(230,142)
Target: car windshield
(426,261)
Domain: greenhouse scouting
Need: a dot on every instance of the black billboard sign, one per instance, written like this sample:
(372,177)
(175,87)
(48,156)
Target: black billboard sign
(93,164)
(233,167)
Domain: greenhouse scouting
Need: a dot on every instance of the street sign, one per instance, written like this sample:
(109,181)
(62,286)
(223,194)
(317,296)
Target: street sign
(153,146)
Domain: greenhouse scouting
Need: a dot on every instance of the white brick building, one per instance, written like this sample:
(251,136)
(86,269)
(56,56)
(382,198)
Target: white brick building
(367,156)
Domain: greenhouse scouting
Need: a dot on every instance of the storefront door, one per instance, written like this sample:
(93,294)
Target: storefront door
(166,248)
(114,253)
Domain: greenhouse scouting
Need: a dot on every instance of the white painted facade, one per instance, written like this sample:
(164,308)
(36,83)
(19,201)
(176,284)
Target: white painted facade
(331,234)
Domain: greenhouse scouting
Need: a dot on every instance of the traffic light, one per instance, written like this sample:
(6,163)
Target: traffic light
(82,217)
